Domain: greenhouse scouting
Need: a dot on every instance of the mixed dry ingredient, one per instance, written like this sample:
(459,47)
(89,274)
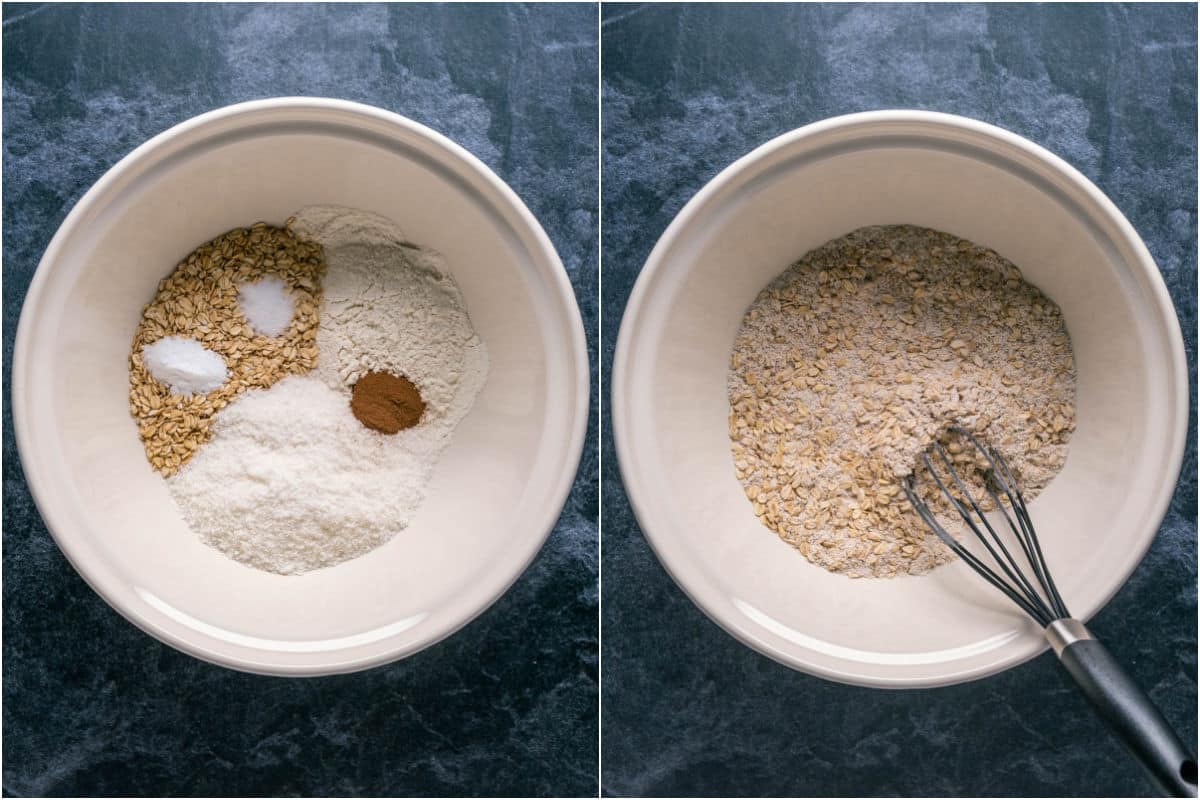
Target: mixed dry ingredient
(856,358)
(351,358)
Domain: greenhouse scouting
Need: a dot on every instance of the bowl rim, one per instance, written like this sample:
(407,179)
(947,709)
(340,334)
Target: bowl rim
(625,354)
(384,650)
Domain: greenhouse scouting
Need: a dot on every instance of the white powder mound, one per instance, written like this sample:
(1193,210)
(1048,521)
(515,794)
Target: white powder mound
(292,482)
(185,365)
(267,305)
(391,306)
(337,226)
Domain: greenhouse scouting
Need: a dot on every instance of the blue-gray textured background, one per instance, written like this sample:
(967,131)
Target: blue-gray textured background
(686,90)
(93,706)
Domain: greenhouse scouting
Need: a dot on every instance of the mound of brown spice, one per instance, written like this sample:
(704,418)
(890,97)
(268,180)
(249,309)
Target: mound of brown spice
(386,403)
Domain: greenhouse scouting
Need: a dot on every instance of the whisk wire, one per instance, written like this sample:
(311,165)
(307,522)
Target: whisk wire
(969,557)
(1033,553)
(1027,524)
(1016,581)
(1014,574)
(1001,475)
(1022,531)
(1007,575)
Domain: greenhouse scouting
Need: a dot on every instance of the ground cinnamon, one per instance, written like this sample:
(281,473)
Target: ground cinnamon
(385,402)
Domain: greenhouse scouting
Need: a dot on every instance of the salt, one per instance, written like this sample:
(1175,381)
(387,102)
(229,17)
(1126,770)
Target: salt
(185,365)
(267,306)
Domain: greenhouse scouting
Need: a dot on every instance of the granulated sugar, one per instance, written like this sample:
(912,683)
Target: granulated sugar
(292,482)
(855,359)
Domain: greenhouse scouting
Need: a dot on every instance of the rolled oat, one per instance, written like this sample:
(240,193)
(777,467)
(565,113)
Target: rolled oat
(199,300)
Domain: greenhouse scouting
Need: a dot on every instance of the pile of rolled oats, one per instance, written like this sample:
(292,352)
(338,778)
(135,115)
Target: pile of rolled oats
(199,300)
(855,359)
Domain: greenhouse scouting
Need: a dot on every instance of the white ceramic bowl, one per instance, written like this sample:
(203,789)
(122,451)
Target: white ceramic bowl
(498,488)
(1096,519)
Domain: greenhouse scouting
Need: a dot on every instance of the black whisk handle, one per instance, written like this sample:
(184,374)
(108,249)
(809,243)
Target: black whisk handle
(1125,708)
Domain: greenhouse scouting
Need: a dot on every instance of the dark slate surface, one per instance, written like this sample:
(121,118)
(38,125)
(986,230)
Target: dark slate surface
(94,706)
(687,89)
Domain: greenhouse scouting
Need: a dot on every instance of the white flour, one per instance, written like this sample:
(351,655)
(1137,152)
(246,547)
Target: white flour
(389,306)
(291,481)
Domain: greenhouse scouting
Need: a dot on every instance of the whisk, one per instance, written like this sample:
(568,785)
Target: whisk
(1116,698)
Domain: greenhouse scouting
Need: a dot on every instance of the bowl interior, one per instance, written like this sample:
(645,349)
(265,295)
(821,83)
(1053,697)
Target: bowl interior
(497,489)
(1095,519)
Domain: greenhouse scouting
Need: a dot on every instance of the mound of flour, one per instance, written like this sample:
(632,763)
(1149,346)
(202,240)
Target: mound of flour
(390,306)
(291,481)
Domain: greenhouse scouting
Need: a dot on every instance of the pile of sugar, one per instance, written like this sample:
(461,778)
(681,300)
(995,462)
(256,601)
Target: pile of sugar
(857,357)
(185,365)
(291,481)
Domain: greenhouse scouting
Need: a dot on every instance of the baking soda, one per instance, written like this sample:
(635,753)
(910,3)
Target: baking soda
(185,365)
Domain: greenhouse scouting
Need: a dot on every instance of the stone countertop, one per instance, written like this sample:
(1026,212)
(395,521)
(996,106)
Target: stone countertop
(93,706)
(686,90)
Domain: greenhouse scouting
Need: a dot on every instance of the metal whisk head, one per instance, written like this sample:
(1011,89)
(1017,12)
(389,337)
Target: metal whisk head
(1037,596)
